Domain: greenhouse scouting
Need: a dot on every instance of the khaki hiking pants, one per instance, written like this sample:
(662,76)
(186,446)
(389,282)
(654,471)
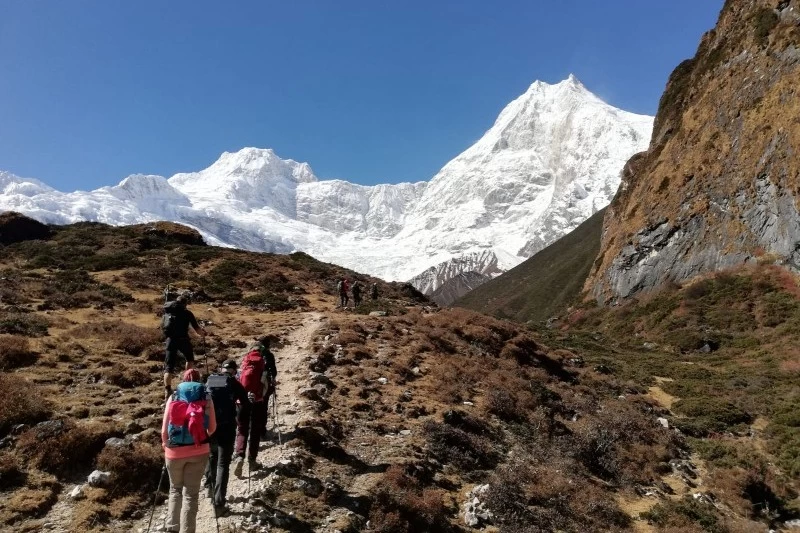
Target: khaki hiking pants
(185,476)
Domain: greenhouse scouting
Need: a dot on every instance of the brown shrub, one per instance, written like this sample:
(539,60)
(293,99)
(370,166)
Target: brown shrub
(461,443)
(623,444)
(20,403)
(27,324)
(505,405)
(31,502)
(133,469)
(15,352)
(126,378)
(129,338)
(10,474)
(349,337)
(402,504)
(67,450)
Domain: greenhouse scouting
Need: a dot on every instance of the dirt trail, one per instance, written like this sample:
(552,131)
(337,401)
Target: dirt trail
(292,377)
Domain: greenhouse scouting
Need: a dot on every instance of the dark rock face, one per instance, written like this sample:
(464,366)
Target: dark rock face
(15,227)
(456,287)
(718,186)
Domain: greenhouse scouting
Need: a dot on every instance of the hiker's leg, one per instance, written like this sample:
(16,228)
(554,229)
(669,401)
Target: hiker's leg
(256,424)
(211,469)
(242,428)
(187,351)
(192,476)
(171,349)
(226,437)
(175,471)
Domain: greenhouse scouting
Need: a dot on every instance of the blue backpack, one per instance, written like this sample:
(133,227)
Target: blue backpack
(187,423)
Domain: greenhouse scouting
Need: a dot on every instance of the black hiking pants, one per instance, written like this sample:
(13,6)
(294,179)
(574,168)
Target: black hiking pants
(173,346)
(250,421)
(219,462)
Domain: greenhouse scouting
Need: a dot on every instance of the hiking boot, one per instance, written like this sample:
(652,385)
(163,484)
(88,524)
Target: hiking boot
(253,465)
(220,510)
(237,468)
(210,491)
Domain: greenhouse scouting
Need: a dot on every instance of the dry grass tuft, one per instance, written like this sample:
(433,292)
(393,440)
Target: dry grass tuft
(402,504)
(15,351)
(68,450)
(133,469)
(20,403)
(10,474)
(129,338)
(127,378)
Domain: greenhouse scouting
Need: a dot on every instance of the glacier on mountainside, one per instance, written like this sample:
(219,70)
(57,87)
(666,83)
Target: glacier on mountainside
(552,158)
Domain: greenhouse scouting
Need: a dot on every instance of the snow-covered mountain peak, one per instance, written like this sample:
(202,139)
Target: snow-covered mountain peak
(144,186)
(253,177)
(12,184)
(551,159)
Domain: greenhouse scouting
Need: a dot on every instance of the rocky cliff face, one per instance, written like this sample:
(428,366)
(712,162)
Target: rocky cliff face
(718,185)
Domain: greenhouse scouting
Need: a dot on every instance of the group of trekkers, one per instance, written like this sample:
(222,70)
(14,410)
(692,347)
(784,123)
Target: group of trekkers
(343,286)
(206,425)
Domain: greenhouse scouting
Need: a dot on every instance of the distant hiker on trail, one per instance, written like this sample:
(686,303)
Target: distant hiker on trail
(356,293)
(225,391)
(175,326)
(257,376)
(373,291)
(344,287)
(189,418)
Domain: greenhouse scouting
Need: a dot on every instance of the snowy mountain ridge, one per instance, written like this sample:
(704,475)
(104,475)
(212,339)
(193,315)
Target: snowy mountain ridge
(552,158)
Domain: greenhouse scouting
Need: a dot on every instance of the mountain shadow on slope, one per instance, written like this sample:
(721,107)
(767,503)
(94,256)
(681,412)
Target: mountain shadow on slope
(546,283)
(16,227)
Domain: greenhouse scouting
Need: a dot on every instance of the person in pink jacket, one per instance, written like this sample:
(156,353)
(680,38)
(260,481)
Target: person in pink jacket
(185,463)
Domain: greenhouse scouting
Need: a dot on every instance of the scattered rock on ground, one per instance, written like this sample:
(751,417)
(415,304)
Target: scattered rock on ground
(98,478)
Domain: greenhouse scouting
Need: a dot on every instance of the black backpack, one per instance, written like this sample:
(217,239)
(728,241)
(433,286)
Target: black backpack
(221,392)
(173,321)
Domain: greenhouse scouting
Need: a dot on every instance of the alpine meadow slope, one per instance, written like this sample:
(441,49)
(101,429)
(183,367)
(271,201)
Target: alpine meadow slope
(551,160)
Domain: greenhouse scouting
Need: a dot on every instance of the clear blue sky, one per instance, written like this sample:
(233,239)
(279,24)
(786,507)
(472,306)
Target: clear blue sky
(364,90)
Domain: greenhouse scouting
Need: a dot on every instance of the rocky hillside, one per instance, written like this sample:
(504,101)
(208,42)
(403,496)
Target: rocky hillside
(718,185)
(393,417)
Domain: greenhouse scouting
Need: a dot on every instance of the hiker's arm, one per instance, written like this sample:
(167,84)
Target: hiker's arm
(193,321)
(239,393)
(212,416)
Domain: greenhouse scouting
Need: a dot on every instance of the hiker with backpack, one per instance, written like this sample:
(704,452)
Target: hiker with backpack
(341,286)
(373,291)
(257,376)
(344,288)
(175,325)
(225,391)
(189,419)
(356,293)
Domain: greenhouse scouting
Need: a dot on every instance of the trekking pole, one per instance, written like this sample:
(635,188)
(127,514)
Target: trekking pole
(155,496)
(275,414)
(205,351)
